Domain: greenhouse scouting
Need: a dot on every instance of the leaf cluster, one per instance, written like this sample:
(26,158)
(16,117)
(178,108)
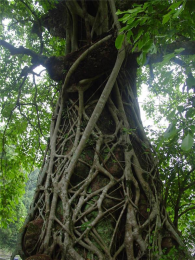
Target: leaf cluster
(26,102)
(171,102)
(153,24)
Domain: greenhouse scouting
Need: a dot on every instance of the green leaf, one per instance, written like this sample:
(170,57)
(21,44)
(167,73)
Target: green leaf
(180,108)
(120,12)
(170,116)
(125,18)
(187,142)
(144,20)
(131,20)
(170,132)
(179,11)
(190,113)
(142,59)
(144,41)
(166,18)
(138,9)
(150,9)
(177,51)
(140,32)
(119,41)
(192,128)
(135,46)
(125,28)
(168,57)
(128,37)
(174,5)
(148,46)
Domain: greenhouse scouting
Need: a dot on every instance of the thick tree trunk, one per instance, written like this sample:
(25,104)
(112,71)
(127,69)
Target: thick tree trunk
(98,195)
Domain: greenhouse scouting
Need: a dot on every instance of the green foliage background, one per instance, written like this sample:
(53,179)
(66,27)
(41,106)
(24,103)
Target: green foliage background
(8,235)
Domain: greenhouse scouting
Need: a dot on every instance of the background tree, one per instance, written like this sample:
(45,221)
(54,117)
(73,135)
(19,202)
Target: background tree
(99,193)
(8,234)
(176,161)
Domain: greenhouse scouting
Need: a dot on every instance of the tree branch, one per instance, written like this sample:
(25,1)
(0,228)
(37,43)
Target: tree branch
(191,184)
(78,11)
(188,186)
(187,70)
(185,211)
(189,47)
(36,58)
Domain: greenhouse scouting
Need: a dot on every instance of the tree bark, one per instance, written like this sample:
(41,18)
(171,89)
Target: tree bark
(98,194)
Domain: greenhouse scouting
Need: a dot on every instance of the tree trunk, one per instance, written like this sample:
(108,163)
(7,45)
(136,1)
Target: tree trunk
(98,194)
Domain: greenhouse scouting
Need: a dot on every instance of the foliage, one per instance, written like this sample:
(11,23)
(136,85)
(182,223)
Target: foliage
(26,103)
(8,235)
(171,102)
(152,24)
(30,188)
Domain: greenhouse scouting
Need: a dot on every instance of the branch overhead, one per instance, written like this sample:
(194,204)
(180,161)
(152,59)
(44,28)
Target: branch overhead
(188,46)
(36,58)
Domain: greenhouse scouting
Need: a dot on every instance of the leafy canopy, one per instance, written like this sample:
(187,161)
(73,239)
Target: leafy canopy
(26,100)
